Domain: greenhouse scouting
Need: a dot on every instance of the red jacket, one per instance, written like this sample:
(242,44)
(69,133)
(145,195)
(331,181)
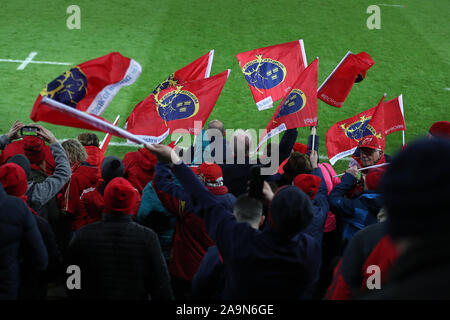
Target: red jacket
(83,177)
(369,247)
(95,156)
(92,207)
(139,168)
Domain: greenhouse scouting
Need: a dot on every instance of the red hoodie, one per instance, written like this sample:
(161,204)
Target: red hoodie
(139,168)
(83,177)
(92,206)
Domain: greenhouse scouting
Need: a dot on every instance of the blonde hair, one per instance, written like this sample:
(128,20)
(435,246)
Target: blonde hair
(75,151)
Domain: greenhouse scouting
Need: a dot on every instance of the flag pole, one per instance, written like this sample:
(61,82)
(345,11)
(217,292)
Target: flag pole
(313,132)
(366,168)
(107,138)
(93,121)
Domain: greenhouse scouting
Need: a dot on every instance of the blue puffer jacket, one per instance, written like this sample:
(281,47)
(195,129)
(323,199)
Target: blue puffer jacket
(353,214)
(19,239)
(152,214)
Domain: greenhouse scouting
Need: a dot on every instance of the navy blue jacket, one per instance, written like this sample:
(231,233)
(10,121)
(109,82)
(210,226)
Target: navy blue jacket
(19,238)
(353,214)
(259,264)
(209,281)
(321,208)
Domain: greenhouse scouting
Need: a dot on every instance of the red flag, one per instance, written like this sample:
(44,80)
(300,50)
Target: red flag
(343,137)
(335,89)
(87,87)
(299,107)
(271,71)
(388,117)
(176,107)
(196,70)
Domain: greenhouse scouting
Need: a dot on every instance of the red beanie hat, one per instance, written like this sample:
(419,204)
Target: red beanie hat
(373,178)
(120,196)
(440,129)
(13,179)
(308,183)
(300,147)
(34,149)
(211,174)
(372,142)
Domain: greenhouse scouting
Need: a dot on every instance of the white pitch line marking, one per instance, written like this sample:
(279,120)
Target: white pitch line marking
(391,5)
(27,61)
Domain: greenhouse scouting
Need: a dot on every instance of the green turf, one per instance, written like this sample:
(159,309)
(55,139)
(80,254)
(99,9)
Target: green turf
(410,51)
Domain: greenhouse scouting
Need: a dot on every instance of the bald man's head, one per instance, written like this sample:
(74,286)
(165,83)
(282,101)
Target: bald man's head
(218,125)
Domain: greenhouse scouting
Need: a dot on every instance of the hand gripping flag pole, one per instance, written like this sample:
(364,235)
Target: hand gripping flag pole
(87,118)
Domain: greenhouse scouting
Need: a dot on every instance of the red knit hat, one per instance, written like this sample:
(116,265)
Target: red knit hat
(373,178)
(195,170)
(120,196)
(372,142)
(308,183)
(13,179)
(211,174)
(34,149)
(440,129)
(300,147)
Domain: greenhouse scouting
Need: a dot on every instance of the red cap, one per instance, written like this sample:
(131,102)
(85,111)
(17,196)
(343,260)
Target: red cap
(373,178)
(195,170)
(13,179)
(120,196)
(211,174)
(300,147)
(308,183)
(441,129)
(372,142)
(34,149)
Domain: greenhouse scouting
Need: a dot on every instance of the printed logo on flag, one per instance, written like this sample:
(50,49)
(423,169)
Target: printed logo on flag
(69,88)
(264,73)
(359,129)
(177,104)
(165,84)
(295,101)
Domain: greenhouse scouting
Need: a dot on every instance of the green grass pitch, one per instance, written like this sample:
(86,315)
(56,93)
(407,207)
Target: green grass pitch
(411,53)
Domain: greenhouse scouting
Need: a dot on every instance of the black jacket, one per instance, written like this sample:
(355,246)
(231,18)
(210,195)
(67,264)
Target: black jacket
(20,240)
(118,259)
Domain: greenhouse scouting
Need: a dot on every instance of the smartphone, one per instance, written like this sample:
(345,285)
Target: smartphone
(28,130)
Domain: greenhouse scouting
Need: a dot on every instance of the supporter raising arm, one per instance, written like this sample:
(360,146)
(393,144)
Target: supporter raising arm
(252,254)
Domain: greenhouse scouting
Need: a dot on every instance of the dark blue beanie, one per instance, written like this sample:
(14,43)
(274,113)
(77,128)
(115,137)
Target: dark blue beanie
(291,211)
(416,189)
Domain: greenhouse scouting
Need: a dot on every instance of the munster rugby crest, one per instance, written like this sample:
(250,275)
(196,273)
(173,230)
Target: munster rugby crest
(177,104)
(359,129)
(264,73)
(69,88)
(295,101)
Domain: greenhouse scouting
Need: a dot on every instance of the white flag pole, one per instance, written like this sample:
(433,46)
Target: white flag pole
(108,134)
(366,168)
(93,121)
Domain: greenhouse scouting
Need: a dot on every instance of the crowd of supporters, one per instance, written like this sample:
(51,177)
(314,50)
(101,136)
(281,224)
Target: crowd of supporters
(155,226)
